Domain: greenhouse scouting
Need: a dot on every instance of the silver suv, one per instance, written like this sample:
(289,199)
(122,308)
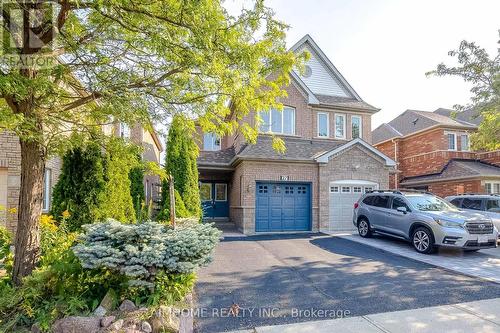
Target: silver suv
(486,204)
(423,219)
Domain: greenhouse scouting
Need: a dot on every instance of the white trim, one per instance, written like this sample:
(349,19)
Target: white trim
(327,125)
(311,98)
(360,126)
(492,183)
(335,126)
(282,112)
(353,182)
(327,62)
(47,185)
(454,140)
(462,142)
(324,158)
(212,138)
(345,187)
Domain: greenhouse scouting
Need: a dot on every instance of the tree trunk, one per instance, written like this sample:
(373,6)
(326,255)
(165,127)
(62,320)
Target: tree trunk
(27,242)
(172,200)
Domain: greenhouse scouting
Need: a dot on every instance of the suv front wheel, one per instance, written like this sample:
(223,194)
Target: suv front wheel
(364,228)
(423,240)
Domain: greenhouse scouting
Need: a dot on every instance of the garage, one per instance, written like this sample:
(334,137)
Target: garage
(282,207)
(343,195)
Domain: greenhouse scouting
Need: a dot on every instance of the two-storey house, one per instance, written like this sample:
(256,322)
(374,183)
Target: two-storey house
(328,164)
(432,151)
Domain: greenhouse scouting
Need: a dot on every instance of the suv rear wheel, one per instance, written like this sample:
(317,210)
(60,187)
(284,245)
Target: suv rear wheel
(423,240)
(364,228)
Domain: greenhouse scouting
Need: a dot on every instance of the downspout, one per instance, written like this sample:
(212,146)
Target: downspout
(396,180)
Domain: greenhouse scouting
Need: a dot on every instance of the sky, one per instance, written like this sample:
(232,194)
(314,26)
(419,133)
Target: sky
(384,47)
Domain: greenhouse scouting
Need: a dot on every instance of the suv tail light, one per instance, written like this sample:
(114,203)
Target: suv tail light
(356,205)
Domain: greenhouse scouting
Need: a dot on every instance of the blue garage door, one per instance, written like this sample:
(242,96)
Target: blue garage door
(282,207)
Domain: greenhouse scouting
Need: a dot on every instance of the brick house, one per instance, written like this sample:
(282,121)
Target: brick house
(328,164)
(10,168)
(432,153)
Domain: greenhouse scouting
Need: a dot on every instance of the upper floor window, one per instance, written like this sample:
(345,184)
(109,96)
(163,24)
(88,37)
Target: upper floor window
(211,141)
(124,130)
(356,127)
(46,189)
(281,122)
(464,142)
(323,124)
(340,126)
(452,141)
(492,188)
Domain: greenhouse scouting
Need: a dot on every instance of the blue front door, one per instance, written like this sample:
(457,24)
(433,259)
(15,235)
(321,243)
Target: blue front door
(282,207)
(214,200)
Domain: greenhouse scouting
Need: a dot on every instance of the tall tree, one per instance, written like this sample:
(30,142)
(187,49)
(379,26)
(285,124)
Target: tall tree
(180,162)
(71,65)
(477,67)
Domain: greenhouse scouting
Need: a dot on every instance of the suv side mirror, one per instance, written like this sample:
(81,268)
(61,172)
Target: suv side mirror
(402,210)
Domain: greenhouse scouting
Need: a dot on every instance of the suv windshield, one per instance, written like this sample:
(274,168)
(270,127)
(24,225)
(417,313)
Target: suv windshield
(428,203)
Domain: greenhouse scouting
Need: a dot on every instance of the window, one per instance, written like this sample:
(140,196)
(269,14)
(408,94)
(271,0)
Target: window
(356,189)
(399,202)
(369,200)
(381,201)
(464,142)
(368,189)
(356,127)
(46,189)
(452,141)
(472,204)
(493,205)
(346,189)
(334,189)
(456,201)
(281,122)
(340,126)
(323,124)
(429,203)
(492,188)
(262,188)
(211,141)
(301,190)
(124,130)
(220,192)
(206,192)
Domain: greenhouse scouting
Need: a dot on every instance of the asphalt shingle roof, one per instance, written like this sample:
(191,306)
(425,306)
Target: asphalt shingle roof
(297,149)
(412,121)
(344,102)
(470,116)
(458,169)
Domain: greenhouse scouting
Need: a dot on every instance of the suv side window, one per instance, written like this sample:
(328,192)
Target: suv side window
(468,203)
(399,202)
(381,201)
(493,205)
(368,200)
(456,201)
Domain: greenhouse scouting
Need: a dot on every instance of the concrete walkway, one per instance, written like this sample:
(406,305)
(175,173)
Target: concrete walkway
(477,317)
(483,264)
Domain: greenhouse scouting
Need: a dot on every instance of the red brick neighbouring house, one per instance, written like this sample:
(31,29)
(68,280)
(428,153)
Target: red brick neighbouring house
(432,153)
(328,164)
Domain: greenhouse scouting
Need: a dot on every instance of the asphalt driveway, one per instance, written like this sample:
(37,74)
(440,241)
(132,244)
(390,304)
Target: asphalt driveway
(285,279)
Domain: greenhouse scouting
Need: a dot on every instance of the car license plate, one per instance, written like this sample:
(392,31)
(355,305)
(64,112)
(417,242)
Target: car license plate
(482,239)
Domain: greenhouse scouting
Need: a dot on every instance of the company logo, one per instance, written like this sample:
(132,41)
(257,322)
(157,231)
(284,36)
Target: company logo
(481,226)
(28,33)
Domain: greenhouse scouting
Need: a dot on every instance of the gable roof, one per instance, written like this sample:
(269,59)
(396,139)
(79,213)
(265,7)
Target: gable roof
(457,169)
(412,121)
(324,157)
(307,40)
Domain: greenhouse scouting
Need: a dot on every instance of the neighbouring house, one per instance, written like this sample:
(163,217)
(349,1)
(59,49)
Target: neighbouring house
(328,164)
(10,169)
(432,152)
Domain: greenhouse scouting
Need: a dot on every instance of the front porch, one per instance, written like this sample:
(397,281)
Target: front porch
(215,189)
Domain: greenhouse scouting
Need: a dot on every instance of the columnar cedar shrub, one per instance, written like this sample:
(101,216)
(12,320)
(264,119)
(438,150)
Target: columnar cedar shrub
(94,183)
(136,176)
(180,162)
(80,185)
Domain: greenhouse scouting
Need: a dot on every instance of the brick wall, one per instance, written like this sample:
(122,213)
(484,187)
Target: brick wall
(453,188)
(247,173)
(492,157)
(355,163)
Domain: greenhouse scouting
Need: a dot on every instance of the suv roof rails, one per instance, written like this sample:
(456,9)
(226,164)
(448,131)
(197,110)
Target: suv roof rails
(401,192)
(493,194)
